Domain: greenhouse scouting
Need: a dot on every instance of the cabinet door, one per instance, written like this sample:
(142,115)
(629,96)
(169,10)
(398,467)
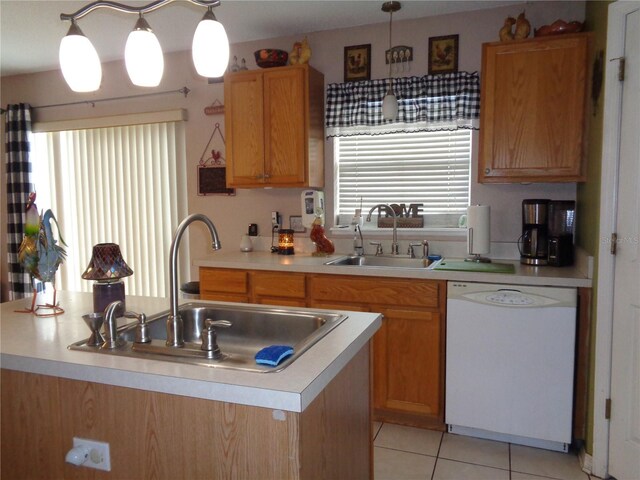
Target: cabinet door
(532,120)
(244,125)
(408,369)
(285,126)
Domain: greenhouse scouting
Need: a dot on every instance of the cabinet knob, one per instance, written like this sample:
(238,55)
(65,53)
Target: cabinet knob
(266,175)
(487,171)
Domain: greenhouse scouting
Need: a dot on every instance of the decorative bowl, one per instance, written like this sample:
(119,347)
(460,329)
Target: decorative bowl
(271,57)
(558,27)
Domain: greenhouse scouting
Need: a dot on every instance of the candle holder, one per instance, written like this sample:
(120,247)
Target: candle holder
(107,267)
(285,242)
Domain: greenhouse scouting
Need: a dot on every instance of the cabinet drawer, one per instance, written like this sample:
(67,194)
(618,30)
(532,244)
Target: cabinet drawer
(223,280)
(278,284)
(415,293)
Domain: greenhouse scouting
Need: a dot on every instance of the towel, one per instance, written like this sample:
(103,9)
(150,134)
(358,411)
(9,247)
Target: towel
(273,355)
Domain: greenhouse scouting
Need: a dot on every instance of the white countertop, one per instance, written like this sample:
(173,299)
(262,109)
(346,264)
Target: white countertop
(39,345)
(572,276)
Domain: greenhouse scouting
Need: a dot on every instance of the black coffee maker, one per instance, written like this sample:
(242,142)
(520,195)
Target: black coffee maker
(534,242)
(561,230)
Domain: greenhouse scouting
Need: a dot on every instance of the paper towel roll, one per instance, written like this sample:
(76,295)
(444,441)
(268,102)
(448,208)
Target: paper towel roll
(478,229)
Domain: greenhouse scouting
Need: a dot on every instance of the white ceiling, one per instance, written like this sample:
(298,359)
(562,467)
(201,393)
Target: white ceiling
(30,30)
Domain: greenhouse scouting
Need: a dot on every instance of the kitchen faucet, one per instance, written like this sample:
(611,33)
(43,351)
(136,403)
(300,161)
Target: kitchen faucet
(175,327)
(394,242)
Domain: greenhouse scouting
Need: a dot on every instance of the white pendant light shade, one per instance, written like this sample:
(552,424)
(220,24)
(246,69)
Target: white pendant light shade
(390,106)
(79,61)
(143,56)
(210,48)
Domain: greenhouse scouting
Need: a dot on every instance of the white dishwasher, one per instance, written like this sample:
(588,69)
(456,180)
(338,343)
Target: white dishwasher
(510,362)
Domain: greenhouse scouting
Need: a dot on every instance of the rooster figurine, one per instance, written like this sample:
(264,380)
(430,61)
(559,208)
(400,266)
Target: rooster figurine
(301,53)
(39,253)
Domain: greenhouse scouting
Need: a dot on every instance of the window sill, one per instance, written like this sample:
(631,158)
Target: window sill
(448,233)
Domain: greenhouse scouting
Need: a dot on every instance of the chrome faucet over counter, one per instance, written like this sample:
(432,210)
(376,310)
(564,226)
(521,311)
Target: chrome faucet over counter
(394,242)
(175,328)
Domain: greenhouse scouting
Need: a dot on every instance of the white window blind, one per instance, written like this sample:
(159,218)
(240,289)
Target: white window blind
(124,185)
(431,168)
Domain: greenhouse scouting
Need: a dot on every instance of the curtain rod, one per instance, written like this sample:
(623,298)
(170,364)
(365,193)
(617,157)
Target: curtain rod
(184,90)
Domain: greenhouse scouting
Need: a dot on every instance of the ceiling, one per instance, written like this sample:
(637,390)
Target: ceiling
(31,30)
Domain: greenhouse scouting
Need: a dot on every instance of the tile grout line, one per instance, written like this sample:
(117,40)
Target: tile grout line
(435,464)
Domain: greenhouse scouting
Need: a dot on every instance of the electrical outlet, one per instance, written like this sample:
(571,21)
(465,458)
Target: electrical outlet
(276,219)
(98,456)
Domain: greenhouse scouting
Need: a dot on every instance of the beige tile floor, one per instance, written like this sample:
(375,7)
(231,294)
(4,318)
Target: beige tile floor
(407,453)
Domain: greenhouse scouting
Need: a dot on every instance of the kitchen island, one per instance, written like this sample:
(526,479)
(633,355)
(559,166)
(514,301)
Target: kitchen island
(171,420)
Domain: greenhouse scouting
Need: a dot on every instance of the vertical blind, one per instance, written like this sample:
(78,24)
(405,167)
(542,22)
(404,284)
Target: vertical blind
(124,185)
(430,167)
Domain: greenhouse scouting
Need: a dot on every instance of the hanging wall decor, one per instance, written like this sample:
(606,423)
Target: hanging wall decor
(357,63)
(443,54)
(212,171)
(215,108)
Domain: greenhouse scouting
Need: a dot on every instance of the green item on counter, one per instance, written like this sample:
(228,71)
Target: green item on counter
(463,266)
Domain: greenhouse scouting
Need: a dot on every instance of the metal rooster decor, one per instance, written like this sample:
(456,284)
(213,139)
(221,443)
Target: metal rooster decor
(40,254)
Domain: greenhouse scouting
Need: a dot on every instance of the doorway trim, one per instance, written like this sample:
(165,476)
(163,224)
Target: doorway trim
(608,211)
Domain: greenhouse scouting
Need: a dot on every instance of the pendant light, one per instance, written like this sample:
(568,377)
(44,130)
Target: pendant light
(79,61)
(390,102)
(143,56)
(210,47)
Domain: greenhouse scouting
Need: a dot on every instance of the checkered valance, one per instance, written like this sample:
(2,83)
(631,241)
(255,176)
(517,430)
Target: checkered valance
(432,102)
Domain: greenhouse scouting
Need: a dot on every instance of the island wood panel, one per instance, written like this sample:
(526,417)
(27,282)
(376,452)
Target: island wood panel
(533,116)
(162,436)
(30,420)
(338,425)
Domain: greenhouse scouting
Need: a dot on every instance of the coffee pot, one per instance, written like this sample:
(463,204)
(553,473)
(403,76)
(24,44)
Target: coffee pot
(534,242)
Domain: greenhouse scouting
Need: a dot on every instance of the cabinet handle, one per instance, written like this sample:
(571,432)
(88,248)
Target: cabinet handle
(266,175)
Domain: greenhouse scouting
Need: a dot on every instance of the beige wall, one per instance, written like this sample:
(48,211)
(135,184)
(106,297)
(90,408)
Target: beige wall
(232,214)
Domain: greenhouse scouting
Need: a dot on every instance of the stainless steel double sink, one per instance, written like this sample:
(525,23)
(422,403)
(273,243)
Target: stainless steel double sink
(253,327)
(390,261)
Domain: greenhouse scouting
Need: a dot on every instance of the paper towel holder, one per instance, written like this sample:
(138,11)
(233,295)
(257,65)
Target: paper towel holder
(475,257)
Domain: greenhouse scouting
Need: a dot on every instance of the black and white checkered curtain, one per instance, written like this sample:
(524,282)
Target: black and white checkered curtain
(17,128)
(432,102)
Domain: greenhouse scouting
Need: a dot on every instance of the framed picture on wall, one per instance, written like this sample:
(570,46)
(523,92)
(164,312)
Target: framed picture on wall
(443,54)
(357,63)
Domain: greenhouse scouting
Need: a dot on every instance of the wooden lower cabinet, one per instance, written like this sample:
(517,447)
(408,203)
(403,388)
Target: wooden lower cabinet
(162,436)
(407,358)
(408,350)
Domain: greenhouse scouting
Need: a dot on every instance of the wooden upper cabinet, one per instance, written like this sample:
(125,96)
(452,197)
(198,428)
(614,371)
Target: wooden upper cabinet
(534,102)
(275,127)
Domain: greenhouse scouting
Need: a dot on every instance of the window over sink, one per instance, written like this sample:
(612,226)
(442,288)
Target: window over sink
(431,168)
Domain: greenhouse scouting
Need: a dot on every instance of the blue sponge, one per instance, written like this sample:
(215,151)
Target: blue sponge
(273,355)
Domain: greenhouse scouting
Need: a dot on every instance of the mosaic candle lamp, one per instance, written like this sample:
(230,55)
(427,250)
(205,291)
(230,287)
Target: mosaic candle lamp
(285,242)
(107,268)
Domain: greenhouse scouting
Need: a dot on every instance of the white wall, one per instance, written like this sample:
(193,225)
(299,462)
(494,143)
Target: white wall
(233,214)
